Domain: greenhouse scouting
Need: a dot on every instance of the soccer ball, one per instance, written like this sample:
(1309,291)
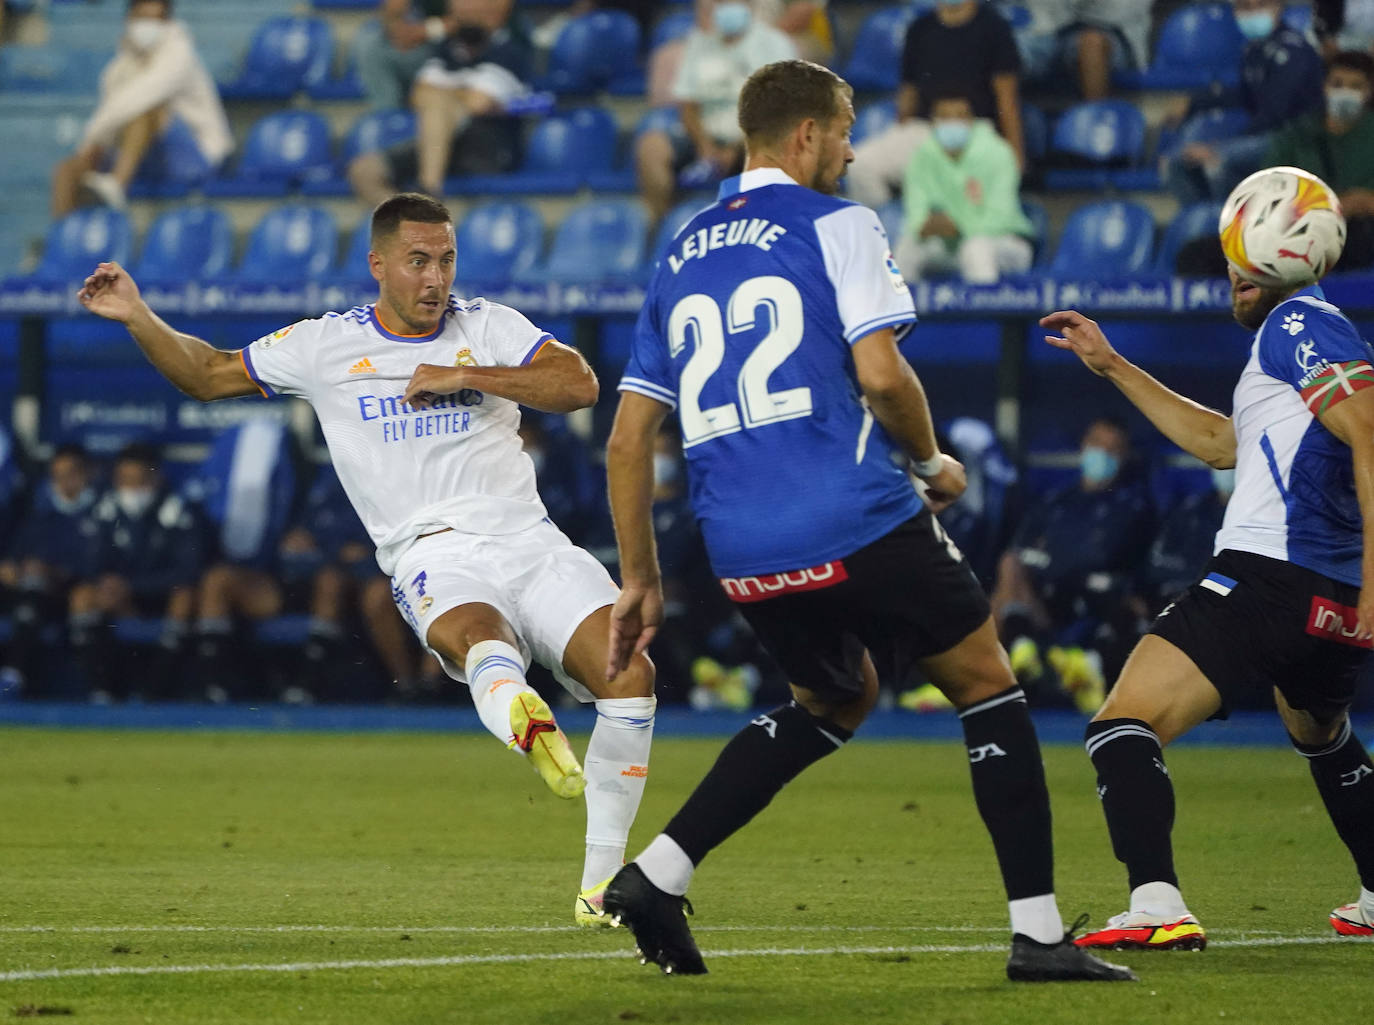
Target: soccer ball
(1282,227)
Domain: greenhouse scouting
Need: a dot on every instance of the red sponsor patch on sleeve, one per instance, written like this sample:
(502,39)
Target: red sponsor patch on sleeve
(1336,383)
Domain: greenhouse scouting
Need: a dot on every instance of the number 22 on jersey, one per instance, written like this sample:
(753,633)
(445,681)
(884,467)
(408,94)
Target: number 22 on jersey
(701,315)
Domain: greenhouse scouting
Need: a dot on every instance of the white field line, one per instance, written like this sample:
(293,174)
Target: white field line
(31,975)
(511,929)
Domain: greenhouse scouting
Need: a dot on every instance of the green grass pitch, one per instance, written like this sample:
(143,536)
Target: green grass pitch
(418,878)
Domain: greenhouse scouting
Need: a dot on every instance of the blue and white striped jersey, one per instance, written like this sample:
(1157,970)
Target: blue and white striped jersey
(746,332)
(1295,484)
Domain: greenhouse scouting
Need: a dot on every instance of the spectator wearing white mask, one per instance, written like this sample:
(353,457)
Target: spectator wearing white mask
(961,202)
(156,100)
(716,61)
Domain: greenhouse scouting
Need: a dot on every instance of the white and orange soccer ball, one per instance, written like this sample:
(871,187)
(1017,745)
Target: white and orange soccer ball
(1282,226)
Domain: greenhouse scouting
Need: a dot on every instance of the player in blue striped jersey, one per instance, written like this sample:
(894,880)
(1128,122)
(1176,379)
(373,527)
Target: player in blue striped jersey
(771,327)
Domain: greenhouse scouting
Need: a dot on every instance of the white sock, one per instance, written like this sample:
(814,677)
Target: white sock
(496,677)
(616,767)
(1161,900)
(1367,904)
(666,865)
(1038,918)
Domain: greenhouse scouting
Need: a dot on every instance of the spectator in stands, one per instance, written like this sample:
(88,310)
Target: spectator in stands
(50,551)
(805,22)
(1337,145)
(1093,38)
(1182,545)
(716,61)
(964,45)
(460,99)
(1281,78)
(390,57)
(157,101)
(1343,25)
(329,551)
(962,206)
(148,549)
(1066,577)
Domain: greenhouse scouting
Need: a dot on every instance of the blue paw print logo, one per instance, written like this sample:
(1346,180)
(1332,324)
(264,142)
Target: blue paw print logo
(1292,323)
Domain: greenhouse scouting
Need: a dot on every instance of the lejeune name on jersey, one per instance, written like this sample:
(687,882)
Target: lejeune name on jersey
(401,422)
(750,231)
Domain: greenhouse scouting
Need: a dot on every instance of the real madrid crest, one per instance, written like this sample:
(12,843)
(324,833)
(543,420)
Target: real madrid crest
(425,604)
(464,359)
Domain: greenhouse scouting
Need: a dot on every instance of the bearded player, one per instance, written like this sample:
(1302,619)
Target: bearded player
(418,395)
(1280,605)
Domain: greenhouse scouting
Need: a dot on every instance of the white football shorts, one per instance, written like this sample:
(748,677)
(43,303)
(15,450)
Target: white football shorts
(542,583)
(488,79)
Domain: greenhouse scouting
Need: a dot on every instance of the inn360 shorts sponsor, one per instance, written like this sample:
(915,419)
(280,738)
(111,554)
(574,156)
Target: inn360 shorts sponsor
(1252,623)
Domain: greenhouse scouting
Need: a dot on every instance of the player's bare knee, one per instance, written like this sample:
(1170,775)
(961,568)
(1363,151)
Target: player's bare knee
(1304,727)
(636,681)
(457,630)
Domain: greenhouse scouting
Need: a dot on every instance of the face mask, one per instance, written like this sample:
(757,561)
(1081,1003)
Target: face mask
(952,133)
(1256,24)
(134,502)
(1097,465)
(145,33)
(539,457)
(68,506)
(1224,481)
(665,469)
(1344,104)
(731,19)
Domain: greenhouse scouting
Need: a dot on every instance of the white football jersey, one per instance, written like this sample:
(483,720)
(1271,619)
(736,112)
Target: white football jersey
(412,471)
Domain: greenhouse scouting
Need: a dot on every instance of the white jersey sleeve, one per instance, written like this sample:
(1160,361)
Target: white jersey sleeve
(282,363)
(869,289)
(511,338)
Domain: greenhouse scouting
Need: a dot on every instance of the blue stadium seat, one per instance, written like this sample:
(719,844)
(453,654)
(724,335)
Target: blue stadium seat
(673,222)
(1109,137)
(498,243)
(1199,44)
(282,150)
(675,25)
(662,119)
(1192,222)
(292,243)
(353,266)
(1211,125)
(596,51)
(601,242)
(1298,17)
(1105,239)
(873,119)
(874,64)
(85,237)
(373,131)
(191,243)
(35,139)
(51,69)
(287,55)
(564,150)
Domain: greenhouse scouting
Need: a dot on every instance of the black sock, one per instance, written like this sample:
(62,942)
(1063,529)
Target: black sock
(1137,797)
(759,761)
(1345,779)
(1009,789)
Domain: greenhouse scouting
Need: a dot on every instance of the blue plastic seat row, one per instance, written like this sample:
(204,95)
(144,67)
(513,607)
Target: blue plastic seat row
(598,243)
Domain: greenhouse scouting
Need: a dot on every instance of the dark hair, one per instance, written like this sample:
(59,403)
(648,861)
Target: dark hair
(139,452)
(779,96)
(69,450)
(406,206)
(948,91)
(1109,420)
(1353,60)
(166,5)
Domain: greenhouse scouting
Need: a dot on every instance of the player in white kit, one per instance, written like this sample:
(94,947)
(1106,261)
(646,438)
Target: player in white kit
(418,396)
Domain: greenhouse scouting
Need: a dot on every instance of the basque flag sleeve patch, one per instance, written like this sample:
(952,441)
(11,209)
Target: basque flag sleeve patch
(1337,382)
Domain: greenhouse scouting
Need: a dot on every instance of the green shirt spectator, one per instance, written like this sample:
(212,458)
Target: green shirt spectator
(962,207)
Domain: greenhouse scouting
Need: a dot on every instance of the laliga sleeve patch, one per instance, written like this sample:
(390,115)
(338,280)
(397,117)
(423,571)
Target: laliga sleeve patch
(1335,383)
(267,341)
(898,282)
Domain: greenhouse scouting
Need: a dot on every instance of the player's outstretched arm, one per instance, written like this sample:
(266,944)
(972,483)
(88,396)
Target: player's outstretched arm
(1191,426)
(1352,420)
(630,482)
(558,380)
(194,366)
(898,402)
